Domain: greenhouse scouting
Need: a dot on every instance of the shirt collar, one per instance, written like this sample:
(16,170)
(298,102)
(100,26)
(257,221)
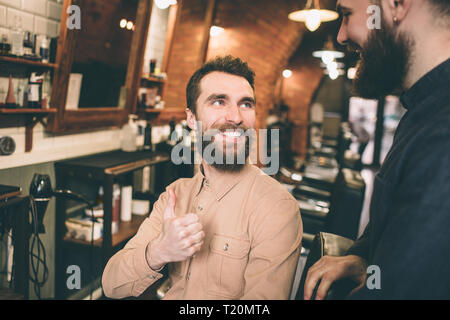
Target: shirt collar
(224,183)
(433,82)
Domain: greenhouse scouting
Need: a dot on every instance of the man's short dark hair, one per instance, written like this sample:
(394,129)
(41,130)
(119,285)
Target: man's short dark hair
(227,64)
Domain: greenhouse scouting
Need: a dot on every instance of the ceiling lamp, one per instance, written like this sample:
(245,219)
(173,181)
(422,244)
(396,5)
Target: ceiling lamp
(215,30)
(328,53)
(164,4)
(313,16)
(287,73)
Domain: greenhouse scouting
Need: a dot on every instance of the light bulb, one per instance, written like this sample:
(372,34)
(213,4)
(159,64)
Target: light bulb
(164,4)
(351,73)
(334,74)
(313,20)
(215,31)
(123,23)
(327,57)
(130,25)
(287,73)
(332,66)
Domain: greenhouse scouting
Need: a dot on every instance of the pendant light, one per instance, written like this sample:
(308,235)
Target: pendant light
(313,16)
(328,53)
(164,4)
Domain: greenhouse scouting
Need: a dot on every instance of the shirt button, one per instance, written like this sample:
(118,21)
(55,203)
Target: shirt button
(225,247)
(207,183)
(200,208)
(152,277)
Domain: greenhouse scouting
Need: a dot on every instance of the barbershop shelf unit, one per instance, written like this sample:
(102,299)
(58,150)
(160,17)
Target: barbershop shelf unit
(31,116)
(84,176)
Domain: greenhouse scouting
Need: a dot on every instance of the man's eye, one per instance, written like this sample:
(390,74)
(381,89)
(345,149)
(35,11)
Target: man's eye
(218,103)
(247,105)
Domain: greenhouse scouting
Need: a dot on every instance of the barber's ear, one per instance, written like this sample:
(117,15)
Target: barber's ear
(399,9)
(190,119)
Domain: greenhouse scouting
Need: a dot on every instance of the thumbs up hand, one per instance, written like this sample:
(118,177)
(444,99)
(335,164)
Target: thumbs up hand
(180,237)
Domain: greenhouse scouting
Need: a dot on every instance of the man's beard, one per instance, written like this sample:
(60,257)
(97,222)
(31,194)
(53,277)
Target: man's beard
(384,64)
(237,152)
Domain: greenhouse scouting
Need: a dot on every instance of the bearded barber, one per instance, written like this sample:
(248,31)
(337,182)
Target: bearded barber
(231,231)
(408,233)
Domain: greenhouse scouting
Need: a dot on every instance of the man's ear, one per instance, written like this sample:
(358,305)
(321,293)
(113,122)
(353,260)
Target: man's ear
(399,9)
(191,119)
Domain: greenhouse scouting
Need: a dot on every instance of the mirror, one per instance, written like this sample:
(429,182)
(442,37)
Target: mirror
(99,65)
(102,51)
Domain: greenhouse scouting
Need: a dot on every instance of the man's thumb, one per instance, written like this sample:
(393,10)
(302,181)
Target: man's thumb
(170,208)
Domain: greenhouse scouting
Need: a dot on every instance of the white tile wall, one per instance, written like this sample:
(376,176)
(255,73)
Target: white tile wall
(27,19)
(54,10)
(48,147)
(35,6)
(38,16)
(156,38)
(2,16)
(12,3)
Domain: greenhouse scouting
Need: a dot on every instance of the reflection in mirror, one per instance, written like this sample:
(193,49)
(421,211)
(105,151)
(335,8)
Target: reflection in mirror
(101,54)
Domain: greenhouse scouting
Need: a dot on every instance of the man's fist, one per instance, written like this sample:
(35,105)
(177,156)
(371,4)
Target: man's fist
(180,237)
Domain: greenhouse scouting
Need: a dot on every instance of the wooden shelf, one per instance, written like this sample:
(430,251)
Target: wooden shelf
(153,79)
(126,231)
(32,117)
(28,111)
(162,116)
(26,62)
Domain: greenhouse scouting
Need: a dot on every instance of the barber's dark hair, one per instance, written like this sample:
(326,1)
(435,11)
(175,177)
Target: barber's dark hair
(442,6)
(227,64)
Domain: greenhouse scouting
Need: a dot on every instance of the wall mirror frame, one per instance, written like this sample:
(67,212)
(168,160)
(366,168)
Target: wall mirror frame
(93,118)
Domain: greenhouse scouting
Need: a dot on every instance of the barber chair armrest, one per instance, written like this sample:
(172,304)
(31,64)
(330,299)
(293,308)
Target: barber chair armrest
(327,244)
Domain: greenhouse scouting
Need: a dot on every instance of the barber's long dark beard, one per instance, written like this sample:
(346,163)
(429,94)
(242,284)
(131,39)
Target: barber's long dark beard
(384,64)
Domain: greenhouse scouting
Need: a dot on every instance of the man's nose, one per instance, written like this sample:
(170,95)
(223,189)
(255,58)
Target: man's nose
(234,115)
(342,36)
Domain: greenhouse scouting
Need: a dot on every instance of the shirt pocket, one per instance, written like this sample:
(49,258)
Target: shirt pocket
(227,260)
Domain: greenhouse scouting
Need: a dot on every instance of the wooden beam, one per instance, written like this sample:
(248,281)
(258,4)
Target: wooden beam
(209,16)
(172,23)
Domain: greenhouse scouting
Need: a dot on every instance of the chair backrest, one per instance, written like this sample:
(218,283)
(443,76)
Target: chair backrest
(327,244)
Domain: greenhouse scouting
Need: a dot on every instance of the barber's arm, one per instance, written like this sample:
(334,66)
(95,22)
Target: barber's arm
(273,258)
(413,251)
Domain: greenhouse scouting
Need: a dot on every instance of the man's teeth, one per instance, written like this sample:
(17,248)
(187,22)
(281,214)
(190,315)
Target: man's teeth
(233,134)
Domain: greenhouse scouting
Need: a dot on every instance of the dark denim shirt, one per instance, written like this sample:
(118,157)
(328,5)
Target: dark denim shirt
(408,236)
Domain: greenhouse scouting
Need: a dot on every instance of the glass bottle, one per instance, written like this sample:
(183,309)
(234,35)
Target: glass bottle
(17,36)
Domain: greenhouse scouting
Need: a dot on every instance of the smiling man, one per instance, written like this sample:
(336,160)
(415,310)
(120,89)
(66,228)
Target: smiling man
(231,231)
(407,237)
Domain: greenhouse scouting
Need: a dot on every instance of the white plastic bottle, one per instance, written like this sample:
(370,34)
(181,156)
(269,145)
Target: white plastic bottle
(129,134)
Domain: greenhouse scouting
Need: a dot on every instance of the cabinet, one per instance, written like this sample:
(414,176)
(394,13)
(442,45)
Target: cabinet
(84,176)
(15,210)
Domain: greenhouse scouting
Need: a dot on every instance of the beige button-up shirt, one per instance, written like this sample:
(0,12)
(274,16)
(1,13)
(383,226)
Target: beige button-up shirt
(253,233)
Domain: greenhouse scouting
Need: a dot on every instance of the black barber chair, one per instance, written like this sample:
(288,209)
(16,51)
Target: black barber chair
(343,214)
(327,244)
